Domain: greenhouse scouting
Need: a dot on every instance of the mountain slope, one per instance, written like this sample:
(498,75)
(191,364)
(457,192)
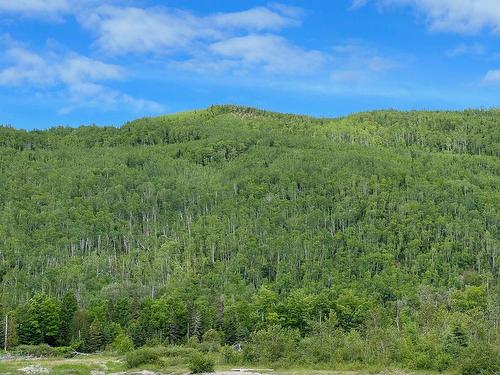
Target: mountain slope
(379,207)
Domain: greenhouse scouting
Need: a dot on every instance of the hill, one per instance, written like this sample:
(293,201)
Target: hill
(382,227)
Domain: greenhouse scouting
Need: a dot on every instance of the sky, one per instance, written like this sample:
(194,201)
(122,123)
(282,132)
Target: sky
(104,62)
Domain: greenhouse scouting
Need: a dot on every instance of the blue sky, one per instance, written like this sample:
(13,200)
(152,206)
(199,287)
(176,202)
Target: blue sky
(74,62)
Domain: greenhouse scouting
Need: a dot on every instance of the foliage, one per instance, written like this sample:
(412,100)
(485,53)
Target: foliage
(44,350)
(201,363)
(69,306)
(143,356)
(122,344)
(230,356)
(481,360)
(370,239)
(211,341)
(272,345)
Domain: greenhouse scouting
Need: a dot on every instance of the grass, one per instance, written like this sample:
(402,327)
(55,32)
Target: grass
(84,365)
(76,366)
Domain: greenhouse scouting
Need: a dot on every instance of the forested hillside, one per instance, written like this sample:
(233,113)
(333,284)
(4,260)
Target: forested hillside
(371,239)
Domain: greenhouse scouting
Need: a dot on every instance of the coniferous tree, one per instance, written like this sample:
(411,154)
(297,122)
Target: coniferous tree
(95,339)
(69,306)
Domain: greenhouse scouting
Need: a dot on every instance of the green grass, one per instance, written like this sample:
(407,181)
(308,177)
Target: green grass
(76,366)
(84,365)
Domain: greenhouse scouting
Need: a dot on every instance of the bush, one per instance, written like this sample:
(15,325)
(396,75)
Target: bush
(480,360)
(65,351)
(201,363)
(211,341)
(212,336)
(44,350)
(271,345)
(230,356)
(122,344)
(143,356)
(179,351)
(175,356)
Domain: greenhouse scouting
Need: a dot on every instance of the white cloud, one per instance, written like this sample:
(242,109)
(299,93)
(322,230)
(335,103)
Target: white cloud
(236,42)
(256,19)
(356,63)
(35,7)
(271,53)
(30,68)
(50,10)
(492,77)
(92,95)
(380,64)
(135,30)
(462,16)
(161,30)
(358,3)
(466,49)
(76,77)
(258,55)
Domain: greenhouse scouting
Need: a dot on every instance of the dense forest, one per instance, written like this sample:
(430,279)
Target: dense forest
(371,239)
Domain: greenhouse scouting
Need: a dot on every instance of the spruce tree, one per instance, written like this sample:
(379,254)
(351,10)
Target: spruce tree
(69,307)
(95,340)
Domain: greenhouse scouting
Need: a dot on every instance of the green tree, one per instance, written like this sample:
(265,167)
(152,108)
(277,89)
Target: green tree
(69,306)
(95,339)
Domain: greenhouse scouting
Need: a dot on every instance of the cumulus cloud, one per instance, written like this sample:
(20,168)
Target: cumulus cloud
(30,68)
(462,16)
(122,30)
(77,77)
(237,42)
(271,53)
(135,30)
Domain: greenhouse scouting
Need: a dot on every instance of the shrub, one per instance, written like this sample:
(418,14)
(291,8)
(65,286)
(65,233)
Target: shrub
(230,356)
(43,350)
(143,356)
(212,336)
(175,356)
(201,363)
(178,351)
(480,360)
(272,345)
(65,351)
(319,348)
(122,344)
(211,341)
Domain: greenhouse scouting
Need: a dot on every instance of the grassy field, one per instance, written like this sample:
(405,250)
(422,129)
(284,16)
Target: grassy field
(101,365)
(83,365)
